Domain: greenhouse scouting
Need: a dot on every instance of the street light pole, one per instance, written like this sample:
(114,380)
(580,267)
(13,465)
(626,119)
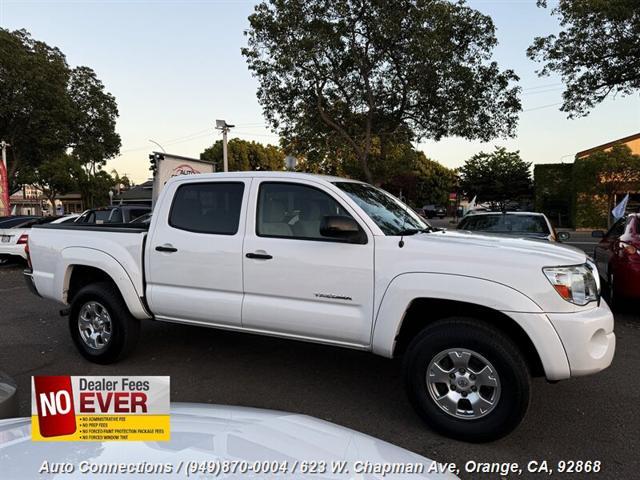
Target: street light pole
(4,181)
(225,127)
(156,143)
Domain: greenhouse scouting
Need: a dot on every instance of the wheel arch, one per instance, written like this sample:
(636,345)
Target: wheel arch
(426,311)
(85,266)
(414,300)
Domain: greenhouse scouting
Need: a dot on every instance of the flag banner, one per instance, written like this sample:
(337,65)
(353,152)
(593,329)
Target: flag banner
(621,208)
(72,408)
(4,190)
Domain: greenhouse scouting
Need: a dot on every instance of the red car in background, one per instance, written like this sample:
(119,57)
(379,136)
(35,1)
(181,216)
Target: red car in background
(618,258)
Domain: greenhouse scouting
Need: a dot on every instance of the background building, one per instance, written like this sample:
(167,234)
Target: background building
(563,199)
(29,200)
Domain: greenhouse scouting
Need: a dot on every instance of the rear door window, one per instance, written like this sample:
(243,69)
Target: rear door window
(207,207)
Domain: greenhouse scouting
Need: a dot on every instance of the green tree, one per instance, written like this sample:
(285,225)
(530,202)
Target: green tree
(55,176)
(244,155)
(336,76)
(48,110)
(597,53)
(123,182)
(605,174)
(35,109)
(418,179)
(94,139)
(94,187)
(497,177)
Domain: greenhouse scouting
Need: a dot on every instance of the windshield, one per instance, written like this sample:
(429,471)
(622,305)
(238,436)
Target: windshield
(389,213)
(505,223)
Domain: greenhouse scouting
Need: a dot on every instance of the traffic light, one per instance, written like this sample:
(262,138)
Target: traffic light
(153,160)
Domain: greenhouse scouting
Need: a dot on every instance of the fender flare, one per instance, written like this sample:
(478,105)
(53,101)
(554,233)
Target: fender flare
(406,288)
(90,257)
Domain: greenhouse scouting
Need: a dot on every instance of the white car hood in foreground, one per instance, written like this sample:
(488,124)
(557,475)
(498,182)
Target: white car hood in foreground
(204,433)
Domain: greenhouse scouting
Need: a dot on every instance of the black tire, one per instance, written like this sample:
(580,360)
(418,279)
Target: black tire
(494,346)
(125,329)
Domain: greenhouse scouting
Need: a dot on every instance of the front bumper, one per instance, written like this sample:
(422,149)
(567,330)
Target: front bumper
(28,279)
(587,337)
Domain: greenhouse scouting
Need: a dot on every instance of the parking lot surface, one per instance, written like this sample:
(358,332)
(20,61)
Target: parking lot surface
(590,418)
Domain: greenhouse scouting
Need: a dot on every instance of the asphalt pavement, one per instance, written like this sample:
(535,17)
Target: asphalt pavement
(589,418)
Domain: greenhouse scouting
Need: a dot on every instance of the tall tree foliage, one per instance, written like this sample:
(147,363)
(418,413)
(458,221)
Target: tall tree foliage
(48,110)
(35,109)
(342,75)
(244,155)
(55,176)
(425,182)
(497,177)
(597,53)
(94,139)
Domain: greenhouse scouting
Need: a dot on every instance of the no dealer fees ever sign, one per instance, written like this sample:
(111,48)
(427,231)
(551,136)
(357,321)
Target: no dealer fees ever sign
(68,408)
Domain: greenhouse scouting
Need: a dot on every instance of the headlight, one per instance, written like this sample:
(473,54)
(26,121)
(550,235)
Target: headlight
(577,284)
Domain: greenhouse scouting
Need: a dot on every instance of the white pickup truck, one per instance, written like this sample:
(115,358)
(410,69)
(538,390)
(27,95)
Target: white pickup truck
(340,262)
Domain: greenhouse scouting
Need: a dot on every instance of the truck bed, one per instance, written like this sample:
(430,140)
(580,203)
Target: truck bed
(55,249)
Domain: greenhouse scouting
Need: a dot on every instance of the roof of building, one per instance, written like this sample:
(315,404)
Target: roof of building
(140,192)
(604,146)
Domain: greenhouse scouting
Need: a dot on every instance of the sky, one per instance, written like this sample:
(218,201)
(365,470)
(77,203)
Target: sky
(175,67)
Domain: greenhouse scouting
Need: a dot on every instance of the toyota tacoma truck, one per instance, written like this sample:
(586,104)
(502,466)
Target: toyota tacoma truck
(344,263)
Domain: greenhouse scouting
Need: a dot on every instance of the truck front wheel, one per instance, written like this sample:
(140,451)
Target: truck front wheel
(101,326)
(467,380)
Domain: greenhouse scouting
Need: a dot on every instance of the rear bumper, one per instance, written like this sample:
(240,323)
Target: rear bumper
(28,279)
(13,250)
(587,337)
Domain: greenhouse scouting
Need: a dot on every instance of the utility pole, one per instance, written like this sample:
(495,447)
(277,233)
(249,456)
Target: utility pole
(225,127)
(4,181)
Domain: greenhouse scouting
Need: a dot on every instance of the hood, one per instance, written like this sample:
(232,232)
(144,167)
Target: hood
(208,433)
(515,263)
(496,245)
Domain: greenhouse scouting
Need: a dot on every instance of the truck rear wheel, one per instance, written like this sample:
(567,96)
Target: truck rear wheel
(101,326)
(467,380)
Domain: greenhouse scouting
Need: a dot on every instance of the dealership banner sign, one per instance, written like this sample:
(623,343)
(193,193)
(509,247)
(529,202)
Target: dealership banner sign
(99,409)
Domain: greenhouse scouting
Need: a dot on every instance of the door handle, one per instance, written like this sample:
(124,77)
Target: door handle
(259,256)
(166,248)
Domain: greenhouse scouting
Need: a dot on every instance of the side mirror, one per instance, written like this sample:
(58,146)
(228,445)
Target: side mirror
(564,236)
(342,228)
(597,234)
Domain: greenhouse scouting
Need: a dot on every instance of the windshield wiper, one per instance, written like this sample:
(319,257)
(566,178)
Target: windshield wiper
(413,231)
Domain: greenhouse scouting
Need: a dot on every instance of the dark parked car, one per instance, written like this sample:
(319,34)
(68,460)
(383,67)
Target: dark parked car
(430,211)
(113,214)
(517,224)
(618,258)
(14,220)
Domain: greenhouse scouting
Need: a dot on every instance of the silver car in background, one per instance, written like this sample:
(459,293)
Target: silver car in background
(532,225)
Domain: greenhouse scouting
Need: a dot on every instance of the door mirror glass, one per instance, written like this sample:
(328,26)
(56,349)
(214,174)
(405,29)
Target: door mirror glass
(597,234)
(340,227)
(564,236)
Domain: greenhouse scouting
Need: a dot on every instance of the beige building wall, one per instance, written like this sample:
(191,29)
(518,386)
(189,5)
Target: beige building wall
(632,141)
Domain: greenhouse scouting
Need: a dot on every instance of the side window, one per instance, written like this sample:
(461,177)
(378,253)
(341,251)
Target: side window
(290,210)
(116,216)
(207,207)
(137,212)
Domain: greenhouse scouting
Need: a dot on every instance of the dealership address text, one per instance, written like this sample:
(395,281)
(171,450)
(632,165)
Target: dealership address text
(216,468)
